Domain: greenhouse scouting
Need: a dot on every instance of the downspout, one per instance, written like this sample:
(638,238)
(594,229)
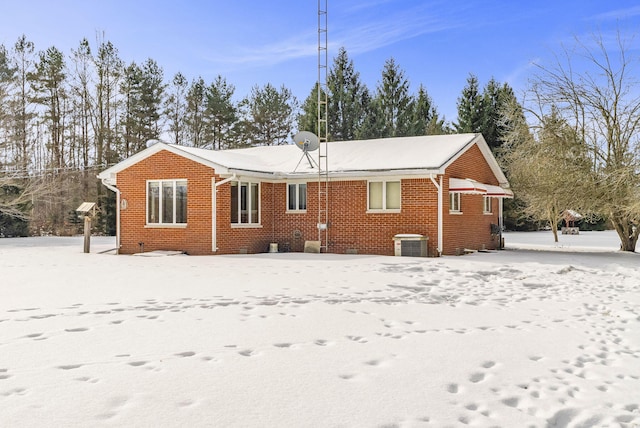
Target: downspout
(214,207)
(500,223)
(440,228)
(117,191)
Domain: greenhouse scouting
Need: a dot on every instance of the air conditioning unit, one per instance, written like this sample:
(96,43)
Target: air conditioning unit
(410,244)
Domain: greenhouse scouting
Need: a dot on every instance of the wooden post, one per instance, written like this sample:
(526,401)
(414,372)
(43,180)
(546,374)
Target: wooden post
(87,233)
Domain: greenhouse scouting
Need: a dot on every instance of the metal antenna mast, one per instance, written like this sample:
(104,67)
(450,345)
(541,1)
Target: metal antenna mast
(323,129)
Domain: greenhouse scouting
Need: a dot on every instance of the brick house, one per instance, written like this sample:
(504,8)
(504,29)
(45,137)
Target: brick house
(448,188)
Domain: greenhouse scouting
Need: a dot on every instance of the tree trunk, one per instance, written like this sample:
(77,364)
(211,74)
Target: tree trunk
(627,232)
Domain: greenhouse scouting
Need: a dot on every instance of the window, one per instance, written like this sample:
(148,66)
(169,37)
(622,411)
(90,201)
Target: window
(384,195)
(245,205)
(488,204)
(297,197)
(454,202)
(167,202)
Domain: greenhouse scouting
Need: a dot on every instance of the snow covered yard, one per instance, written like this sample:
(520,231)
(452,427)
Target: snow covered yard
(515,338)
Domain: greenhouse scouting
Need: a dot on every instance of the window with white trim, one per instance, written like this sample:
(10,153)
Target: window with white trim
(488,204)
(297,197)
(166,202)
(384,195)
(454,202)
(245,202)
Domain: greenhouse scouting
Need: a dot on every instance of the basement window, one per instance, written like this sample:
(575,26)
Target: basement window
(166,202)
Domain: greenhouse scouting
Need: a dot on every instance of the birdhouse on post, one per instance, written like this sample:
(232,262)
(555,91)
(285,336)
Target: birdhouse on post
(88,211)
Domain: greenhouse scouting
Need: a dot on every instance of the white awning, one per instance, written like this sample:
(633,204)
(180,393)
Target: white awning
(498,192)
(460,185)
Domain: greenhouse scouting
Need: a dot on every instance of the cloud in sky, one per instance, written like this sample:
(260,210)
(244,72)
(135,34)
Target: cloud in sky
(359,33)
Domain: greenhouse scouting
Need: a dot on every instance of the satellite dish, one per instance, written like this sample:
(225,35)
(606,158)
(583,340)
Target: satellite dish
(306,141)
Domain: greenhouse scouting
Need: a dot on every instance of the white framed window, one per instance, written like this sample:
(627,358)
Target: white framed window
(454,202)
(166,202)
(488,204)
(383,195)
(297,197)
(245,202)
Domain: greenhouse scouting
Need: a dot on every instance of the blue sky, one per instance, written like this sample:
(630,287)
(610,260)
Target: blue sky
(436,43)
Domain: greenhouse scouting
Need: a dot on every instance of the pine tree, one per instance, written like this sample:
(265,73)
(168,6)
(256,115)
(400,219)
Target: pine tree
(346,112)
(393,101)
(307,119)
(269,114)
(194,115)
(470,108)
(50,89)
(221,114)
(22,111)
(109,74)
(175,108)
(425,117)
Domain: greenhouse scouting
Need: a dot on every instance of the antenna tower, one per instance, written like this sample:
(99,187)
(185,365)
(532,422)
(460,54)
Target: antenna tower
(323,129)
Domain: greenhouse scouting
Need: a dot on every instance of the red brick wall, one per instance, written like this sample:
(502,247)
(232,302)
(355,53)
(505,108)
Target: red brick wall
(196,237)
(472,228)
(351,227)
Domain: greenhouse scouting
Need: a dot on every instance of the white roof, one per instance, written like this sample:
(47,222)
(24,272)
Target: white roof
(386,156)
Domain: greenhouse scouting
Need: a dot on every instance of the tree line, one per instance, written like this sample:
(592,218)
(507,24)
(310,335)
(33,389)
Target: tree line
(65,117)
(570,143)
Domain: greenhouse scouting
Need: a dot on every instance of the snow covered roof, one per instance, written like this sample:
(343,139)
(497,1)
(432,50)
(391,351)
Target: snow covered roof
(386,156)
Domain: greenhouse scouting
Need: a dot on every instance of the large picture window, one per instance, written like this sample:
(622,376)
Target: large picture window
(245,203)
(384,195)
(297,197)
(167,202)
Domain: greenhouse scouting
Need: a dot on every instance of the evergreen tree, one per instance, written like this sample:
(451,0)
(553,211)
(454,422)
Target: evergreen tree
(194,115)
(307,119)
(82,106)
(21,109)
(425,117)
(50,88)
(345,109)
(471,116)
(372,123)
(143,90)
(269,114)
(7,82)
(175,108)
(393,102)
(109,74)
(221,114)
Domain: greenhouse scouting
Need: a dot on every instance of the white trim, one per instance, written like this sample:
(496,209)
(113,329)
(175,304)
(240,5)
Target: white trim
(249,207)
(452,206)
(160,201)
(297,201)
(487,201)
(166,226)
(440,215)
(115,189)
(214,209)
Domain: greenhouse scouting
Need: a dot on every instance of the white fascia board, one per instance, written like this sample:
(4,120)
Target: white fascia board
(109,174)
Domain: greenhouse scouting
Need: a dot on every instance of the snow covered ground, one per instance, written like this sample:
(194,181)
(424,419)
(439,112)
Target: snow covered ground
(538,335)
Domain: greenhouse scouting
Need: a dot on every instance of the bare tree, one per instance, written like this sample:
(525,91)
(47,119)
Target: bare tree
(602,103)
(548,166)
